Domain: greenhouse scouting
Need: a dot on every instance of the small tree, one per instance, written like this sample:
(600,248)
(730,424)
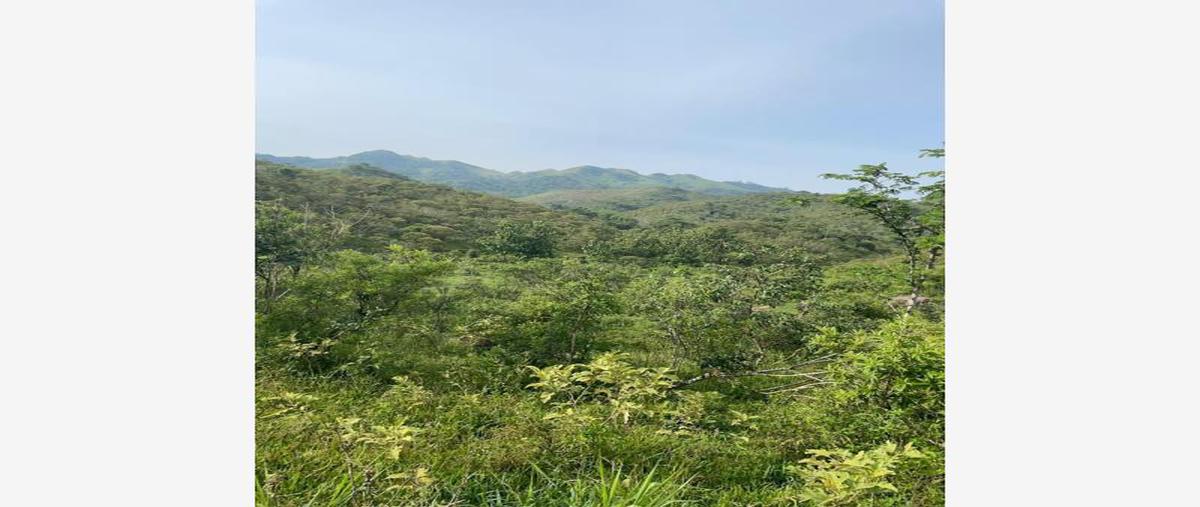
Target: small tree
(727,321)
(919,225)
(285,241)
(560,320)
(351,291)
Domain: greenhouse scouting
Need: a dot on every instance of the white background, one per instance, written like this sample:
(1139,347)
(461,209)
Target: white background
(126,132)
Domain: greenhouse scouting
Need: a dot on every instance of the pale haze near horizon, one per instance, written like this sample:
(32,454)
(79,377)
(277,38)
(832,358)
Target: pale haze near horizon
(770,92)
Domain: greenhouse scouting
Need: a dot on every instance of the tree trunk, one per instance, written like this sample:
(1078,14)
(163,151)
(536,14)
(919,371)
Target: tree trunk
(914,281)
(919,279)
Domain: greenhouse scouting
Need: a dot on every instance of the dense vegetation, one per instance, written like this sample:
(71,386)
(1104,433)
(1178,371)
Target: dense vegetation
(814,223)
(420,345)
(378,208)
(517,184)
(614,200)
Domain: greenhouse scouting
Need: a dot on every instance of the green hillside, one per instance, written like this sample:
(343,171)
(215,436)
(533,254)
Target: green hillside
(379,208)
(422,345)
(518,184)
(385,208)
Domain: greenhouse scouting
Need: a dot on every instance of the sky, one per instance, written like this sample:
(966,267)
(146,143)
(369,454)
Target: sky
(773,92)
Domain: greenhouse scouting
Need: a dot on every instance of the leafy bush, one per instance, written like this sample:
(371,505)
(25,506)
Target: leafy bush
(839,477)
(610,379)
(889,384)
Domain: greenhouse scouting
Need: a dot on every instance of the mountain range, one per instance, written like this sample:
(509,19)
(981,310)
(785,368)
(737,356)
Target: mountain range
(465,176)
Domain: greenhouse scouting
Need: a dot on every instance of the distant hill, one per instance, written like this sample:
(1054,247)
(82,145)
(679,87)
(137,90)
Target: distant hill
(520,184)
(388,208)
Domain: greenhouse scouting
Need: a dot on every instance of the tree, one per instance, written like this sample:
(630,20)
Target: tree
(285,241)
(352,290)
(919,225)
(525,239)
(559,320)
(727,321)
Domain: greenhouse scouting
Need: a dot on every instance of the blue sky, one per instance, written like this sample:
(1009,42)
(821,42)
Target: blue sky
(774,92)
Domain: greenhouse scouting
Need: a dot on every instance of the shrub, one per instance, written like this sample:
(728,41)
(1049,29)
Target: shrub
(839,477)
(609,379)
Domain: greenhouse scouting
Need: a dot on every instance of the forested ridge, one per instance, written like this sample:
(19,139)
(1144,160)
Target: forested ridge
(519,183)
(380,208)
(419,344)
